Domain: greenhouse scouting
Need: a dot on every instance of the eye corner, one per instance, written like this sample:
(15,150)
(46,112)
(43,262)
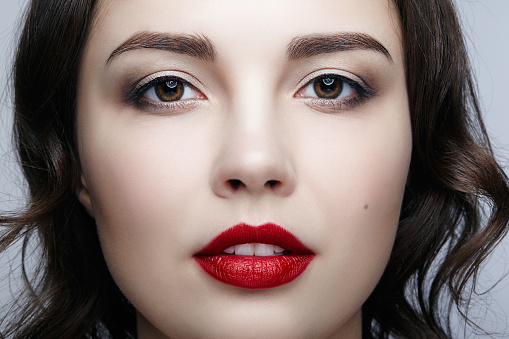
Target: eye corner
(299,94)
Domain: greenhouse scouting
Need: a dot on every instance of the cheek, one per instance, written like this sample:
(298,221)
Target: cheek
(357,179)
(358,169)
(140,181)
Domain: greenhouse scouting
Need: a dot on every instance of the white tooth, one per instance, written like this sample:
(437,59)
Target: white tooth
(230,250)
(278,249)
(244,249)
(263,250)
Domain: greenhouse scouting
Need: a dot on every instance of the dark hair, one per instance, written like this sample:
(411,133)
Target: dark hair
(441,240)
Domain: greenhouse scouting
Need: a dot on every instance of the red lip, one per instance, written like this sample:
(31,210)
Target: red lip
(255,272)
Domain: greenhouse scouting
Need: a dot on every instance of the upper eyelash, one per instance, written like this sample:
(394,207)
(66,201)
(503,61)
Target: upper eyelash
(136,89)
(141,87)
(364,90)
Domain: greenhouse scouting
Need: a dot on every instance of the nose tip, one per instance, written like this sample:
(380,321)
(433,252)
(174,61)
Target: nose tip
(253,156)
(256,173)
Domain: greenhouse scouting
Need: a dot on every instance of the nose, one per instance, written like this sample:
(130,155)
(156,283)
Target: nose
(252,157)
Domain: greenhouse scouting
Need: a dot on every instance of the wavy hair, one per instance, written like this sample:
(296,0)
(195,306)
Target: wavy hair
(442,237)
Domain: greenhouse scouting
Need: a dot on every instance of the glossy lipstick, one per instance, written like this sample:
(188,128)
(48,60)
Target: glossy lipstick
(255,272)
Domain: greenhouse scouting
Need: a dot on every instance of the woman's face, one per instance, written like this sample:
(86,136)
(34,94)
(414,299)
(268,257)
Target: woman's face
(200,117)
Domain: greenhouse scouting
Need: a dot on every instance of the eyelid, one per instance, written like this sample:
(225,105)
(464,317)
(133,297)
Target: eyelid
(135,92)
(350,78)
(362,91)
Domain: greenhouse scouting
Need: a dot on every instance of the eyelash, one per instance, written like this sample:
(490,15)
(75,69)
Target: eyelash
(363,92)
(149,84)
(188,101)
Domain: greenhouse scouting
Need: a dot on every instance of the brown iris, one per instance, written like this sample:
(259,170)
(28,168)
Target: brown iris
(328,87)
(169,90)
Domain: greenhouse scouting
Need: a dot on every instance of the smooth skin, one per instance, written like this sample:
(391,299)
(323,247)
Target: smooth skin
(248,142)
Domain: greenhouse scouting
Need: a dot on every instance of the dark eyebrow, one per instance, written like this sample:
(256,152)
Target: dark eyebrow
(314,44)
(197,46)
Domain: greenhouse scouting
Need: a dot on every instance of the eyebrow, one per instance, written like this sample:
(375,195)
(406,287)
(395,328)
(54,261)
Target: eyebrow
(314,44)
(197,46)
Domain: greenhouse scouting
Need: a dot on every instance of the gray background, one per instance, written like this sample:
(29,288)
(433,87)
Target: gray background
(487,29)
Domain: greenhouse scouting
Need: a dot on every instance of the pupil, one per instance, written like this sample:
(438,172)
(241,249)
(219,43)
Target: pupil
(170,90)
(328,87)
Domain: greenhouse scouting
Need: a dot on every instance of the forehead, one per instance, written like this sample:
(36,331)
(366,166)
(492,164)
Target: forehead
(247,26)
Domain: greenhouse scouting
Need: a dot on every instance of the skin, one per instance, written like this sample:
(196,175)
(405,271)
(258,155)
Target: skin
(157,179)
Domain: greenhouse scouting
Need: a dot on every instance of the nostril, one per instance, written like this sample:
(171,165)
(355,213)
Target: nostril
(234,183)
(272,183)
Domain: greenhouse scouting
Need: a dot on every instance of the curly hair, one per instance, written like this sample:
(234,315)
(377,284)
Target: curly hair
(442,236)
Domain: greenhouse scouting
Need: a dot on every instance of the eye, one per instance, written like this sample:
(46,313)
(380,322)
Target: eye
(328,86)
(168,89)
(335,92)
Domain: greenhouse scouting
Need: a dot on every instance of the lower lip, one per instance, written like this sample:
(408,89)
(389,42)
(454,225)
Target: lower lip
(255,272)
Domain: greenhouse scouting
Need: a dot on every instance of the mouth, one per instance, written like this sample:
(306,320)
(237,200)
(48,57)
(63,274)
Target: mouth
(255,257)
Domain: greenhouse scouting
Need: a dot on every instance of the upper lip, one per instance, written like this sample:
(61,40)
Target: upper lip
(266,234)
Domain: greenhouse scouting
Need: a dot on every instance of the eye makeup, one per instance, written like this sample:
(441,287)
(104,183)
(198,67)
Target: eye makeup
(334,92)
(163,91)
(173,92)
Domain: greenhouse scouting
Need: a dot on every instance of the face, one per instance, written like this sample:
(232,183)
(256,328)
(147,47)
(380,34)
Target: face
(208,124)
